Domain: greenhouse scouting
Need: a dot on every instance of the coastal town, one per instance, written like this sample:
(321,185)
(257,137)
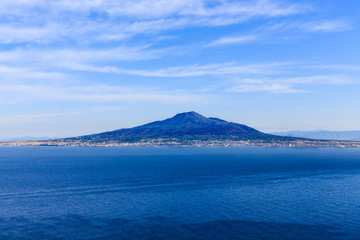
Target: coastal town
(188,143)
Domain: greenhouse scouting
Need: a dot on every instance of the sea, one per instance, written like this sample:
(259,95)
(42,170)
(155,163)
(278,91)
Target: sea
(179,193)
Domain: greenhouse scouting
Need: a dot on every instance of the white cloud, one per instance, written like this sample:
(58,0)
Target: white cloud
(35,117)
(65,58)
(25,74)
(41,21)
(233,40)
(332,25)
(188,70)
(337,67)
(320,79)
(11,119)
(159,8)
(236,69)
(93,93)
(288,85)
(271,88)
(337,25)
(17,33)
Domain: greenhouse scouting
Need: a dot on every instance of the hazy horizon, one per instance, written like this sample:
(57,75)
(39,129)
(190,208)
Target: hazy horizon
(281,133)
(74,68)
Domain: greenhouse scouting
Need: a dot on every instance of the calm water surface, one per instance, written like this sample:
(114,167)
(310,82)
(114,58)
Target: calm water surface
(179,193)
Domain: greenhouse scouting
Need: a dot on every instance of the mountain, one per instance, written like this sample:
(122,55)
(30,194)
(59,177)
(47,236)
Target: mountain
(323,134)
(183,126)
(188,129)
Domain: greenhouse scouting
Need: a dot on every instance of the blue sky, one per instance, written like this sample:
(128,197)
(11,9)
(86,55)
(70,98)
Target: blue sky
(77,67)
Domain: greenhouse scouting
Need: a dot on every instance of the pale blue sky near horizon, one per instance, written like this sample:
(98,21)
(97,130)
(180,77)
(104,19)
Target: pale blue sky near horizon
(70,68)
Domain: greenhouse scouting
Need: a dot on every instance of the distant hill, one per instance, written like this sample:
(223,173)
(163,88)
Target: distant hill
(323,134)
(183,126)
(24,138)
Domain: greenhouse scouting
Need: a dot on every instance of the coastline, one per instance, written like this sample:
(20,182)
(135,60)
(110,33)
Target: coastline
(192,143)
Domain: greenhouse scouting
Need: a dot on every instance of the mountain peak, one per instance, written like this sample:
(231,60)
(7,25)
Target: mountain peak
(187,119)
(189,114)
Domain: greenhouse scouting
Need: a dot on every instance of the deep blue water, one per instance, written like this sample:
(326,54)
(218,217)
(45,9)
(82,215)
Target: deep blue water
(179,193)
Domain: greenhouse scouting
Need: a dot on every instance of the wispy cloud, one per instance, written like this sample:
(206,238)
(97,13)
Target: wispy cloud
(338,25)
(42,21)
(275,32)
(12,74)
(35,117)
(309,25)
(320,79)
(231,69)
(233,40)
(11,119)
(271,88)
(337,67)
(75,35)
(57,57)
(93,93)
(159,9)
(271,77)
(288,85)
(221,69)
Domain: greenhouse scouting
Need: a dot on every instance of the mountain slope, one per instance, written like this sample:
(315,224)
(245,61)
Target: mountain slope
(188,125)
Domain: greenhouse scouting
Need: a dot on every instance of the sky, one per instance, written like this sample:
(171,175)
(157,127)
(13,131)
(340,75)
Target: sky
(70,68)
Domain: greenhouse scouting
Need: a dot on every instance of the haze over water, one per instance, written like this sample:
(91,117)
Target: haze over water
(179,193)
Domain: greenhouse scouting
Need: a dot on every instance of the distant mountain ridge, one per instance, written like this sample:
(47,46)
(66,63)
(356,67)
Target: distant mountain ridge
(188,125)
(323,134)
(23,138)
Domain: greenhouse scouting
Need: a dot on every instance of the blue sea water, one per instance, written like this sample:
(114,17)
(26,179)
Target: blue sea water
(179,193)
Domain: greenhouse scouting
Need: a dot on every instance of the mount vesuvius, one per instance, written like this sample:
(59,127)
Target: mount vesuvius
(187,129)
(183,127)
